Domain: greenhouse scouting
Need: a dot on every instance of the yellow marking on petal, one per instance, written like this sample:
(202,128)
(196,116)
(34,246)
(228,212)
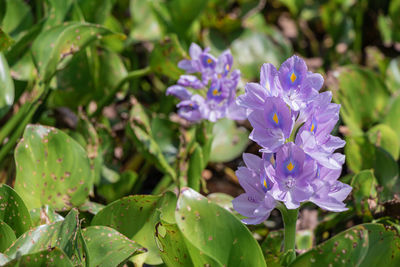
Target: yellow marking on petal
(272,160)
(219,76)
(293,77)
(227,67)
(312,128)
(265,183)
(275,118)
(215,92)
(209,60)
(290,166)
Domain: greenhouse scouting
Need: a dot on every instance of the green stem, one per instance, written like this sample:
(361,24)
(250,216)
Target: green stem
(289,217)
(109,98)
(14,121)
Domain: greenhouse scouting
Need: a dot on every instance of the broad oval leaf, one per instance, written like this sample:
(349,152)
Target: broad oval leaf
(55,44)
(216,232)
(362,245)
(229,141)
(53,257)
(392,116)
(383,136)
(52,168)
(363,97)
(364,188)
(13,210)
(108,247)
(135,217)
(62,235)
(7,236)
(6,86)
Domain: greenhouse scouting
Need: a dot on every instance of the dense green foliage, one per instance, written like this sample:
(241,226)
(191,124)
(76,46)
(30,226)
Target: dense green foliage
(97,169)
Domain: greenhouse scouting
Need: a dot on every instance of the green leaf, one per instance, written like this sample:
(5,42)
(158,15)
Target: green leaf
(135,217)
(272,248)
(52,168)
(383,136)
(304,239)
(229,141)
(59,42)
(393,75)
(171,244)
(364,189)
(96,11)
(6,86)
(165,133)
(362,245)
(140,133)
(392,116)
(387,174)
(52,257)
(13,210)
(91,207)
(108,247)
(4,259)
(212,229)
(165,57)
(360,153)
(57,12)
(363,97)
(44,215)
(7,236)
(196,163)
(5,41)
(18,17)
(114,190)
(145,25)
(62,235)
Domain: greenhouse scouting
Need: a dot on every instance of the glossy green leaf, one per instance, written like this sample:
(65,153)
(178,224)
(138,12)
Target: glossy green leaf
(7,236)
(363,97)
(52,168)
(383,136)
(4,259)
(13,210)
(108,247)
(52,257)
(59,42)
(96,11)
(135,217)
(216,232)
(6,86)
(63,235)
(91,207)
(362,245)
(44,215)
(18,17)
(304,239)
(171,244)
(229,141)
(57,12)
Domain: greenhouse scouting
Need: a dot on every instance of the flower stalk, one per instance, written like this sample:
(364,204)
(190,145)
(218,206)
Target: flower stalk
(289,217)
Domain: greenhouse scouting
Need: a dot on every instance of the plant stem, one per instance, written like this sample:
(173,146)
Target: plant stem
(289,220)
(108,99)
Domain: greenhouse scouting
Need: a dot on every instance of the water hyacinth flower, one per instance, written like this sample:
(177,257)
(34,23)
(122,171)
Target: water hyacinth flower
(211,94)
(292,123)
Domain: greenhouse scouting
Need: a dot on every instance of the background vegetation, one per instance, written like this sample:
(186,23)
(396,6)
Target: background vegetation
(82,84)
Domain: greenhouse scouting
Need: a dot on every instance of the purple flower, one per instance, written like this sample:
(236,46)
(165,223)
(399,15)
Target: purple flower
(272,124)
(286,106)
(256,203)
(217,77)
(292,176)
(329,193)
(298,85)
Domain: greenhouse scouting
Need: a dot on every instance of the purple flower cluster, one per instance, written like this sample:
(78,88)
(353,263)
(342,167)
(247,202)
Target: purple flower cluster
(292,123)
(219,80)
